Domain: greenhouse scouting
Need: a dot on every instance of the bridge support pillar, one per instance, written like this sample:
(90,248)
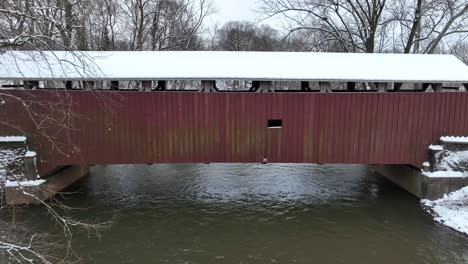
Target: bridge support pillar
(416,183)
(27,193)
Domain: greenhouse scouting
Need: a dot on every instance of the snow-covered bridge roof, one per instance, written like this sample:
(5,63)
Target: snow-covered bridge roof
(210,65)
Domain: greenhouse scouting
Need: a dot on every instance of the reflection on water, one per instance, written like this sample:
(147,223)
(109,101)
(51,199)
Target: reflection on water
(245,213)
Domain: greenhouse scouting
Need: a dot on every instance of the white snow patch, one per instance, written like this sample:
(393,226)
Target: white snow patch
(13,139)
(462,140)
(436,147)
(445,174)
(451,210)
(462,154)
(30,154)
(9,183)
(426,164)
(451,160)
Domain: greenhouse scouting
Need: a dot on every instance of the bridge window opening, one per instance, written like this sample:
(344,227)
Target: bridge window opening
(275,123)
(114,85)
(183,85)
(341,86)
(287,86)
(327,87)
(452,87)
(160,85)
(131,85)
(11,84)
(234,85)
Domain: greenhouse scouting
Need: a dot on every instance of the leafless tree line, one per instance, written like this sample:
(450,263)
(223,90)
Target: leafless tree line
(401,26)
(102,24)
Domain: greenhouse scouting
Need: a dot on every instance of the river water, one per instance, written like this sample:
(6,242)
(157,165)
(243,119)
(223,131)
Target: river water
(250,213)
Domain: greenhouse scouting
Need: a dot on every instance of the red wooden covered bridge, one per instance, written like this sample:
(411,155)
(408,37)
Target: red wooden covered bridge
(338,108)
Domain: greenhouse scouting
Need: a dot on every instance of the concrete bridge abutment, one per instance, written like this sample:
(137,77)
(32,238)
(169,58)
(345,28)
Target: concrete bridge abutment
(19,193)
(19,179)
(416,183)
(445,171)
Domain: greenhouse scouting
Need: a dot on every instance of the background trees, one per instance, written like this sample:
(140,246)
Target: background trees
(402,26)
(103,24)
(421,26)
(246,36)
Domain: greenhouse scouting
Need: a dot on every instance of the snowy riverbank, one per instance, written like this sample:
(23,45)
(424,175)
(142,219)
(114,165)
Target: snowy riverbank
(451,210)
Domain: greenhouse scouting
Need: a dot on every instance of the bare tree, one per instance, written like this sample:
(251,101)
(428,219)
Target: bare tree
(165,24)
(43,25)
(245,36)
(355,24)
(374,25)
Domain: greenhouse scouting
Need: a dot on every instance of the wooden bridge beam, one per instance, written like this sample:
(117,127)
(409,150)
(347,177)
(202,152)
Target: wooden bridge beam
(325,87)
(208,86)
(382,87)
(265,87)
(261,87)
(147,86)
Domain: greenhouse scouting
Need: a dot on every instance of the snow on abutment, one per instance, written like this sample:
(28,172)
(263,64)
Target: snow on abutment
(17,163)
(451,210)
(449,162)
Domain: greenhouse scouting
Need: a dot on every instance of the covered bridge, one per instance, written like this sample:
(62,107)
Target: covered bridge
(347,108)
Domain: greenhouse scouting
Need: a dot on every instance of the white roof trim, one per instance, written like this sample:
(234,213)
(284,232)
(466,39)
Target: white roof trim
(216,65)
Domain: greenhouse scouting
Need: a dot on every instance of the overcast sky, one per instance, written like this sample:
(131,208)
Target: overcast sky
(234,10)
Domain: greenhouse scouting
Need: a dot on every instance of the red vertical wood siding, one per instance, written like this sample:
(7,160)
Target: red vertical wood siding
(188,127)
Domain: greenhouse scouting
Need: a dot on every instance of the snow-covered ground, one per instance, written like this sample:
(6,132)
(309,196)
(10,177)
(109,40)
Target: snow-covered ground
(445,174)
(12,139)
(452,139)
(23,183)
(451,210)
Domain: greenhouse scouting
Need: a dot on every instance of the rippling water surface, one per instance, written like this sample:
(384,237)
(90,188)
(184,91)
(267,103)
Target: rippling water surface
(238,213)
